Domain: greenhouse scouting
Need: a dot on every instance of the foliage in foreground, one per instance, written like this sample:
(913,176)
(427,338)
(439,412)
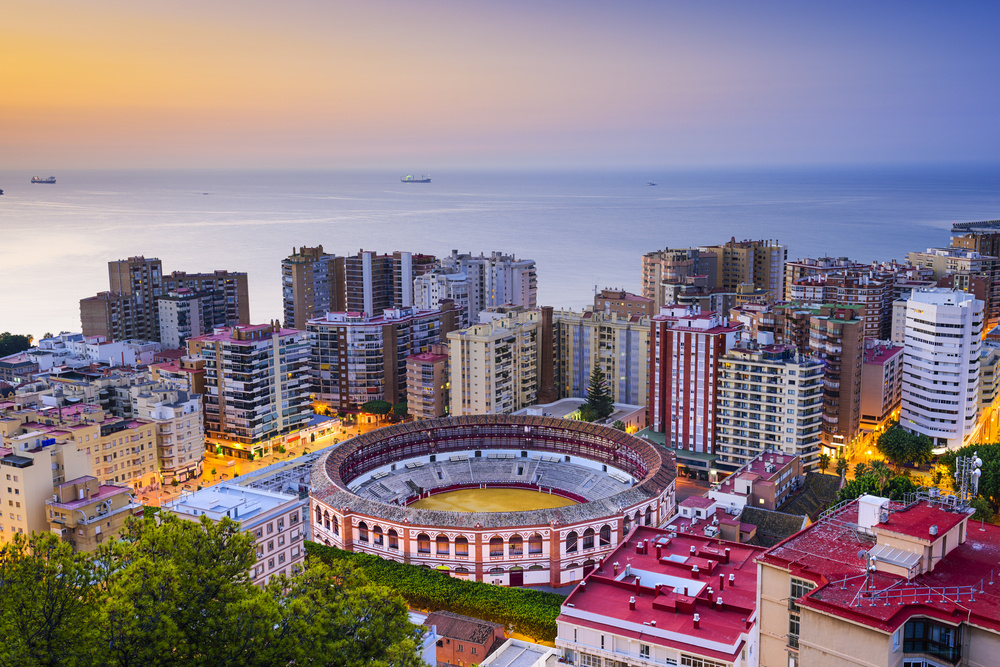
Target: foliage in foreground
(900,447)
(175,592)
(532,613)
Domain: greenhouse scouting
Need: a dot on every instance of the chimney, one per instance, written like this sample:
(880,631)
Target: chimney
(732,581)
(719,602)
(653,623)
(616,569)
(722,582)
(727,556)
(694,572)
(637,584)
(631,603)
(628,570)
(697,620)
(583,585)
(692,549)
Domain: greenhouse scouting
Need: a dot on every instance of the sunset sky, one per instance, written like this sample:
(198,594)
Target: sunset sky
(436,84)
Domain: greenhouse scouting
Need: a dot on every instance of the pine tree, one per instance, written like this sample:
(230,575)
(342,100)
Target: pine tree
(598,397)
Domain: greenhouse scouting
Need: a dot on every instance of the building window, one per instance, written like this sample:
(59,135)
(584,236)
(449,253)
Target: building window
(695,661)
(644,651)
(924,636)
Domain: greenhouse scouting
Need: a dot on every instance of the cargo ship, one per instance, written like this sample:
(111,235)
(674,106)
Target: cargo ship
(38,179)
(413,179)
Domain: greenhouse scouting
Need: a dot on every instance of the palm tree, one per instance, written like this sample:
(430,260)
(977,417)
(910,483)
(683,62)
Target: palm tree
(824,462)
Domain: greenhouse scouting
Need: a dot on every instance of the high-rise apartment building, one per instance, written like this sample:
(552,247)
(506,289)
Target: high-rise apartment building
(435,287)
(356,358)
(180,432)
(229,304)
(130,310)
(821,266)
(376,282)
(257,385)
(667,271)
(836,336)
(965,268)
(941,365)
(685,348)
(494,365)
(770,399)
(618,345)
(759,263)
(182,315)
(873,294)
(495,280)
(312,284)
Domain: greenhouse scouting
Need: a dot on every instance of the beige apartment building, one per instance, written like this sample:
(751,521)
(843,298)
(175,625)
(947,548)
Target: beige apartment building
(622,303)
(879,583)
(84,512)
(312,284)
(494,366)
(179,429)
(759,263)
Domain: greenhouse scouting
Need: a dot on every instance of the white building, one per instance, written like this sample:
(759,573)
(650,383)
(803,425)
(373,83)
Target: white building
(495,280)
(278,522)
(181,316)
(941,365)
(430,289)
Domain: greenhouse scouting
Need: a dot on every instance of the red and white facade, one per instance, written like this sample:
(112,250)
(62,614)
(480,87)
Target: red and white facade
(552,547)
(685,348)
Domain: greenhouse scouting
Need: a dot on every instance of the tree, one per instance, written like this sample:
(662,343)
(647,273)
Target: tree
(619,424)
(824,462)
(598,396)
(13,343)
(174,592)
(378,408)
(842,467)
(900,447)
(861,469)
(47,602)
(881,472)
(399,410)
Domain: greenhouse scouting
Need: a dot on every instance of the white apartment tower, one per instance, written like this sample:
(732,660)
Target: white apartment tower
(431,288)
(941,365)
(495,280)
(494,366)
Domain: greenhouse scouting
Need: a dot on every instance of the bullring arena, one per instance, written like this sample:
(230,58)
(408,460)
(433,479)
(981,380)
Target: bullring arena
(363,495)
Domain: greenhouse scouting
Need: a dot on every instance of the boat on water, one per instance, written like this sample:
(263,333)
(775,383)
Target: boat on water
(650,183)
(409,178)
(39,179)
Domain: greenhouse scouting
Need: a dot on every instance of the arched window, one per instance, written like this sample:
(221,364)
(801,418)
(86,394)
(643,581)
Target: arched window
(571,542)
(441,545)
(649,516)
(605,535)
(336,525)
(535,544)
(638,518)
(363,531)
(393,539)
(588,538)
(627,524)
(496,547)
(319,515)
(377,536)
(496,571)
(423,543)
(461,546)
(515,546)
(462,570)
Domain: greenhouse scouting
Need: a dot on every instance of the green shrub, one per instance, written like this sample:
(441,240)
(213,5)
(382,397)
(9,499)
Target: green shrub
(531,612)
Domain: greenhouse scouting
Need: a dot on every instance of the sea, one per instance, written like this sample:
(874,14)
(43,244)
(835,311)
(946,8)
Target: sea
(585,229)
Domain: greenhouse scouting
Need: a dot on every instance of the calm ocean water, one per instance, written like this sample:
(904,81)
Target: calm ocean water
(582,229)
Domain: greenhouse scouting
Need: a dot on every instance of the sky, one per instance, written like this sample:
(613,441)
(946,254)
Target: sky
(439,84)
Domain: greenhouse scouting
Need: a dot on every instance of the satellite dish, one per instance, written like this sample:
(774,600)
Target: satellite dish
(862,554)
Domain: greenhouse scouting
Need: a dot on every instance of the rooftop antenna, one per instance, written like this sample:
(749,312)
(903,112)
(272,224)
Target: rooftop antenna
(967,473)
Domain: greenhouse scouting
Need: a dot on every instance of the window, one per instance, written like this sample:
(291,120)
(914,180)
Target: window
(474,650)
(695,661)
(270,545)
(588,660)
(799,588)
(571,542)
(925,636)
(793,630)
(644,651)
(459,648)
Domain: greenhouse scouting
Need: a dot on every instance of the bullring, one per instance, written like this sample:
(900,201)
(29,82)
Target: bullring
(362,492)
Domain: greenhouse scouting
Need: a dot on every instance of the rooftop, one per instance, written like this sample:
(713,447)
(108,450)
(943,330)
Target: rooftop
(880,353)
(655,582)
(959,588)
(765,467)
(239,503)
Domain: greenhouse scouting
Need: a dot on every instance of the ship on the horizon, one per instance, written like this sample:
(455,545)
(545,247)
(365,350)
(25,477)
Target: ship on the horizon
(409,178)
(38,179)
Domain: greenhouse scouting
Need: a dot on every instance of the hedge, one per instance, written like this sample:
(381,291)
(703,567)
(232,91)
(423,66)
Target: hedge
(530,612)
